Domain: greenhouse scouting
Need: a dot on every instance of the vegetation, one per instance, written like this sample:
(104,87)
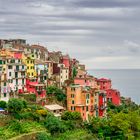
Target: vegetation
(74,72)
(25,118)
(15,105)
(57,92)
(3,104)
(122,122)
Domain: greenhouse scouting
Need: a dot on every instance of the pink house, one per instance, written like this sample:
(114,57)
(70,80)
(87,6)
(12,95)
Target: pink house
(33,86)
(87,81)
(104,83)
(17,53)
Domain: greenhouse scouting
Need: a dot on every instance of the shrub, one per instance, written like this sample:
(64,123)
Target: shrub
(54,125)
(3,104)
(15,125)
(42,112)
(67,115)
(16,105)
(43,136)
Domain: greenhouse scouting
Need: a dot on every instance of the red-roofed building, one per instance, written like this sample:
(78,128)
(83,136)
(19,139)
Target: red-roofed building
(105,84)
(113,96)
(65,59)
(38,89)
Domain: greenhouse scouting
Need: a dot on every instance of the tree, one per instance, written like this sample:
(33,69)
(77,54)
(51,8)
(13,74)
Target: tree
(74,72)
(16,105)
(54,125)
(3,104)
(52,90)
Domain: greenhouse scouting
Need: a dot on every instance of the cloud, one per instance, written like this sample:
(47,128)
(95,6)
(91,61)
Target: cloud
(132,46)
(86,29)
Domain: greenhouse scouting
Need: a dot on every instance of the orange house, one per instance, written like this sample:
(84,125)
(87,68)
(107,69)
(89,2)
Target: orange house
(81,99)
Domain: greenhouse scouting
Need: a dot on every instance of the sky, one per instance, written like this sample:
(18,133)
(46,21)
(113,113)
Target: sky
(103,34)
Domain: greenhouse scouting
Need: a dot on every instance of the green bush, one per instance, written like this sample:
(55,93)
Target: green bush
(16,105)
(15,125)
(43,136)
(3,104)
(54,125)
(52,90)
(67,115)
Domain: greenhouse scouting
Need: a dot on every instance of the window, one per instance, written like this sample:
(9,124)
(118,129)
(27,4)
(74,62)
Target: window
(87,96)
(9,73)
(0,61)
(9,67)
(22,81)
(83,108)
(32,74)
(86,108)
(4,84)
(72,95)
(19,61)
(73,108)
(16,75)
(17,67)
(3,62)
(28,67)
(4,94)
(72,101)
(16,81)
(22,66)
(73,89)
(95,100)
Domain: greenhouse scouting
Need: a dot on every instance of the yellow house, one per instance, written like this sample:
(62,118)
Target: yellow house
(29,61)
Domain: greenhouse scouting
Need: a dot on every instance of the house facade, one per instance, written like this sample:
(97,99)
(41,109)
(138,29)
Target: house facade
(83,100)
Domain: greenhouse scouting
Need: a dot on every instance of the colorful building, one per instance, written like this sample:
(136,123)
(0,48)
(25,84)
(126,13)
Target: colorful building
(82,100)
(50,68)
(105,84)
(4,86)
(29,61)
(39,89)
(42,71)
(113,96)
(86,81)
(65,59)
(102,103)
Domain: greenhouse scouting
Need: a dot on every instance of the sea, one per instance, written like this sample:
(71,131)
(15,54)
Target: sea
(127,81)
